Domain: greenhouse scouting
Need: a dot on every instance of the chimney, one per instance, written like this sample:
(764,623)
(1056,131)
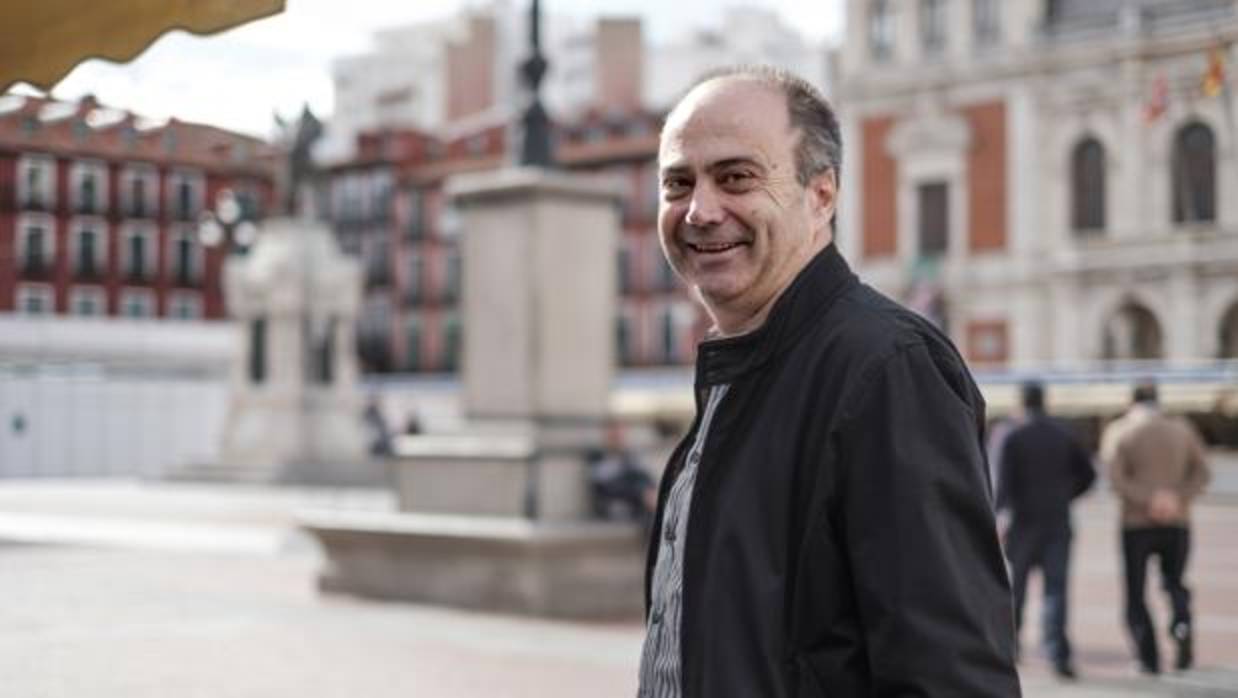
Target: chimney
(620,63)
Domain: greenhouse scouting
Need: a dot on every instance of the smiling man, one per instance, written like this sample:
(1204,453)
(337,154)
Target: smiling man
(825,527)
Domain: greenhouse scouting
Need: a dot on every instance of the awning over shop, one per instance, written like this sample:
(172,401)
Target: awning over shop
(42,40)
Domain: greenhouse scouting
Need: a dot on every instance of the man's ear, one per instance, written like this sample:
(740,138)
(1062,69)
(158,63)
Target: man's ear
(823,195)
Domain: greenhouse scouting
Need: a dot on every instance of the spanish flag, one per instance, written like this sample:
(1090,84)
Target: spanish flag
(1214,77)
(1158,101)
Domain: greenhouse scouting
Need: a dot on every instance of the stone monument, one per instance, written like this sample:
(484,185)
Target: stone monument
(294,413)
(495,516)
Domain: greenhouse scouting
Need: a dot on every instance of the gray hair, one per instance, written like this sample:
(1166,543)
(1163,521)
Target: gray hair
(820,147)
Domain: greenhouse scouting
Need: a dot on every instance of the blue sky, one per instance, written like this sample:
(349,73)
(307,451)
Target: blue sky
(240,78)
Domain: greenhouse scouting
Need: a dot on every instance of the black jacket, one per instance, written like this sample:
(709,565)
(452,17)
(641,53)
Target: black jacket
(1041,468)
(841,539)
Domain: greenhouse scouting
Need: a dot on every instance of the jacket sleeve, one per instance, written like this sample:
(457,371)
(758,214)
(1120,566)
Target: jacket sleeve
(926,568)
(1005,474)
(1082,468)
(1197,474)
(1128,487)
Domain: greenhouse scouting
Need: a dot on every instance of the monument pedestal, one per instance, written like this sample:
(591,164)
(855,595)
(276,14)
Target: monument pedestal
(566,570)
(294,413)
(496,515)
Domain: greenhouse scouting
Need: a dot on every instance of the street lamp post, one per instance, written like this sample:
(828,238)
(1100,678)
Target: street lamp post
(227,224)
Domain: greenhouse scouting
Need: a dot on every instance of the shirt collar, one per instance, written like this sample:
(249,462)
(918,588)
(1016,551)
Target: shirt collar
(812,291)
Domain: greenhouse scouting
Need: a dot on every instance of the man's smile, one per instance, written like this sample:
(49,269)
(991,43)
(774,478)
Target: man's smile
(714,247)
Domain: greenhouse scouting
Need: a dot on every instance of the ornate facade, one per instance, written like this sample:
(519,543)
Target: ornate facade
(1052,181)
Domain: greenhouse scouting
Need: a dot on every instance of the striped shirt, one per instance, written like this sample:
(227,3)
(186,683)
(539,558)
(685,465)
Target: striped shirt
(660,658)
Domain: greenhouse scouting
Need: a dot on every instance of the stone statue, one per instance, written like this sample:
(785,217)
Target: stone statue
(299,171)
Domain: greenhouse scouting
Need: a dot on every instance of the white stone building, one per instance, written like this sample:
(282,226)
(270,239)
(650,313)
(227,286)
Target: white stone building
(743,35)
(435,75)
(1055,180)
(450,75)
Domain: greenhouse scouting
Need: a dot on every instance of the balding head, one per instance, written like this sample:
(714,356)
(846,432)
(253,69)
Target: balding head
(819,144)
(747,194)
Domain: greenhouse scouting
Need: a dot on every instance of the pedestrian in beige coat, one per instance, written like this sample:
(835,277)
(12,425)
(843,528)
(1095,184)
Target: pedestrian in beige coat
(1157,466)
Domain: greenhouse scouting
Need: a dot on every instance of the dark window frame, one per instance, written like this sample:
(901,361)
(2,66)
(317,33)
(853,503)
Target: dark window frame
(933,218)
(881,30)
(986,22)
(1088,187)
(933,25)
(1193,174)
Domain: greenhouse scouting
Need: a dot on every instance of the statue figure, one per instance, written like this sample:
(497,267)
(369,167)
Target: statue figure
(299,172)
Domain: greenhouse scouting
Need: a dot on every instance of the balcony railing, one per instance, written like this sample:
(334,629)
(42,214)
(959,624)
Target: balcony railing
(186,278)
(413,296)
(415,230)
(138,276)
(34,202)
(36,267)
(449,293)
(185,213)
(87,271)
(139,210)
(377,274)
(87,208)
(1114,19)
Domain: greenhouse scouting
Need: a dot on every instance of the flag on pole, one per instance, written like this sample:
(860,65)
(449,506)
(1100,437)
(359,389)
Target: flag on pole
(1214,77)
(1158,101)
(1216,85)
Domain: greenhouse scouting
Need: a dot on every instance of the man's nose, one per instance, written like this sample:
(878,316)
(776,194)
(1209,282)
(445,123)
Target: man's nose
(705,208)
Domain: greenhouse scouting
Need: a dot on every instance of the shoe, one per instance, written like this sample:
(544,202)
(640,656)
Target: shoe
(1064,671)
(1182,641)
(1146,654)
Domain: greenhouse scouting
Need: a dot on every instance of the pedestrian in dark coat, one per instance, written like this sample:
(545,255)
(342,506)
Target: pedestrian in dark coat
(1041,469)
(825,529)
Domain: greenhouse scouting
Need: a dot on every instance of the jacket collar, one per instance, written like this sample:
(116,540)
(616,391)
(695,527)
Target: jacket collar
(812,291)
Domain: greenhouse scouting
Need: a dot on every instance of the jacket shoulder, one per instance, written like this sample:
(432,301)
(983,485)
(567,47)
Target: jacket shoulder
(869,324)
(864,330)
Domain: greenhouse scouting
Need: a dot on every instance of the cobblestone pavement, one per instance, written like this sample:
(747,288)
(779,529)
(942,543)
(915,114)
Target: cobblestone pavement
(180,590)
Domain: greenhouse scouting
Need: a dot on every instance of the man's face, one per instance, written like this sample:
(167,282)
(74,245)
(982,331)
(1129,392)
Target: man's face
(733,220)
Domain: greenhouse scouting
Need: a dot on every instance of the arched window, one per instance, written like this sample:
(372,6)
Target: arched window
(1193,172)
(1087,187)
(986,22)
(880,30)
(1228,348)
(1132,332)
(932,26)
(87,202)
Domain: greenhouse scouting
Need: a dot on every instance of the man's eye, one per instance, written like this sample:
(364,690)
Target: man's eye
(734,179)
(675,186)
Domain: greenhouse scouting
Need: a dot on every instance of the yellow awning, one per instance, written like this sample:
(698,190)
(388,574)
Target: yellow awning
(41,40)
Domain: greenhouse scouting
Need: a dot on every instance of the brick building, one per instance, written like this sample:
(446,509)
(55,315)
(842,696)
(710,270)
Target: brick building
(99,209)
(388,207)
(1046,178)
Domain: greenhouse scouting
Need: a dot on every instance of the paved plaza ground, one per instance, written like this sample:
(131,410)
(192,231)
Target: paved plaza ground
(117,589)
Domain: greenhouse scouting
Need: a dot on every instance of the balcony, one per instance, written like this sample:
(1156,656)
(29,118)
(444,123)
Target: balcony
(35,202)
(1111,18)
(415,231)
(185,278)
(413,296)
(88,271)
(183,212)
(377,274)
(1179,247)
(449,293)
(87,208)
(138,209)
(36,268)
(138,276)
